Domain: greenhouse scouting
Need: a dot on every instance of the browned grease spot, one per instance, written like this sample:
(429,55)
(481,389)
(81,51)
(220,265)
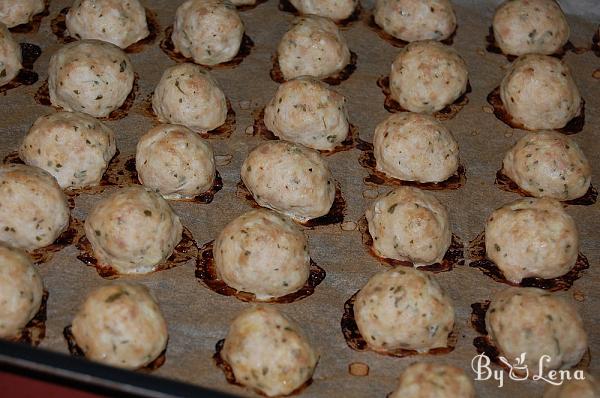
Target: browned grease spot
(399,42)
(477,253)
(34,332)
(359,369)
(246,7)
(26,76)
(334,80)
(67,238)
(286,6)
(34,24)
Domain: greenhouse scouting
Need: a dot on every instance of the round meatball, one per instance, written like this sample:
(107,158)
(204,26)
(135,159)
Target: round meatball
(534,322)
(413,20)
(409,224)
(175,162)
(133,230)
(548,164)
(209,31)
(336,10)
(314,47)
(34,210)
(415,147)
(267,351)
(539,93)
(403,308)
(19,12)
(74,147)
(120,324)
(427,76)
(119,22)
(532,238)
(428,380)
(289,178)
(21,291)
(188,95)
(530,27)
(306,111)
(263,253)
(586,388)
(10,56)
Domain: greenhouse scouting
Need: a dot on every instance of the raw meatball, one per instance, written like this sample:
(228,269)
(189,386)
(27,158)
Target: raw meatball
(18,12)
(533,321)
(21,291)
(121,325)
(74,147)
(264,253)
(549,164)
(188,95)
(306,111)
(415,147)
(314,47)
(433,380)
(403,308)
(175,162)
(133,230)
(427,75)
(10,56)
(530,27)
(587,388)
(532,238)
(34,211)
(268,352)
(411,225)
(539,92)
(412,20)
(289,178)
(119,22)
(209,31)
(336,10)
(90,76)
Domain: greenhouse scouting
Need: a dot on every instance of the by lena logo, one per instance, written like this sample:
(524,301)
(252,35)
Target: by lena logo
(519,371)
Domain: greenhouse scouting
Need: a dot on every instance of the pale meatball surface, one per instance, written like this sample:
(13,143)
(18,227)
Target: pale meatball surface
(336,10)
(90,76)
(34,210)
(133,230)
(433,380)
(426,76)
(18,12)
(209,31)
(415,147)
(530,27)
(269,352)
(120,324)
(289,178)
(21,291)
(187,94)
(535,322)
(314,46)
(403,308)
(549,164)
(72,146)
(411,225)
(532,238)
(175,162)
(587,388)
(264,253)
(539,93)
(307,112)
(10,56)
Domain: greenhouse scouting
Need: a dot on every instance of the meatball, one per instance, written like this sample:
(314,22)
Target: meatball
(188,95)
(133,230)
(532,238)
(549,164)
(413,20)
(10,56)
(119,22)
(428,380)
(263,253)
(175,162)
(314,47)
(409,224)
(403,308)
(289,178)
(120,324)
(209,31)
(415,147)
(533,321)
(19,12)
(539,93)
(306,111)
(90,76)
(427,76)
(74,147)
(587,388)
(268,352)
(530,27)
(21,291)
(34,211)
(336,10)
